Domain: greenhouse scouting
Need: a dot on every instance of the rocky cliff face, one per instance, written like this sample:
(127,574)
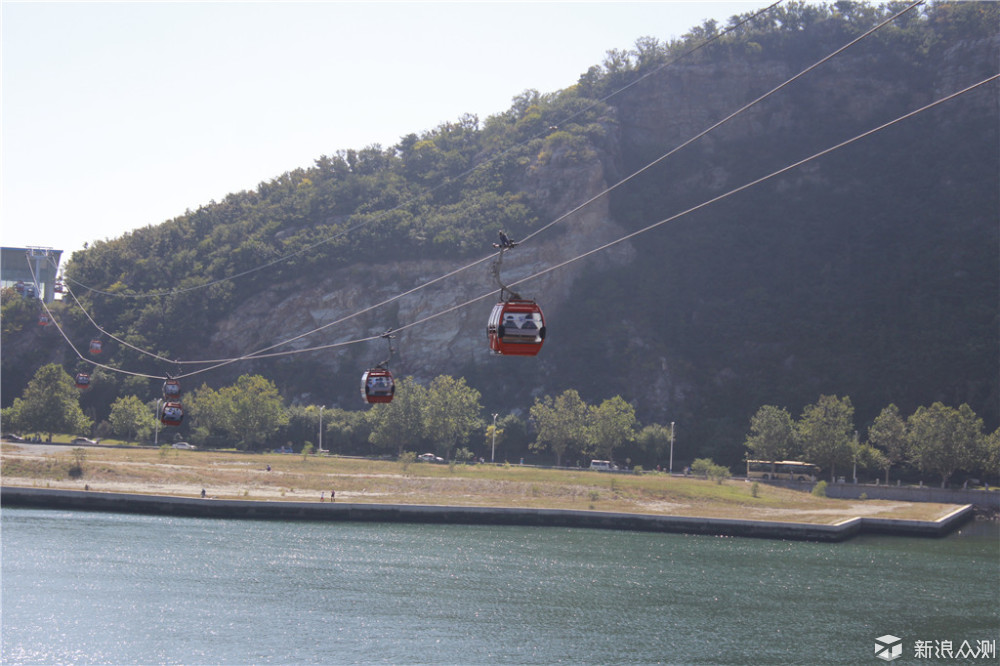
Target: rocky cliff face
(442,326)
(643,348)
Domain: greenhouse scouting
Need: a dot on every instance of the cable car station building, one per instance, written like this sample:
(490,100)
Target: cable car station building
(17,264)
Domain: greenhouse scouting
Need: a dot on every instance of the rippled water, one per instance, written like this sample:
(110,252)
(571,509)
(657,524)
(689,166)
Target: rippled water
(123,589)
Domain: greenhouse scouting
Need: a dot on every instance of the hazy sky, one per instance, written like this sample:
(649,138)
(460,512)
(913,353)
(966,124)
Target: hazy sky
(118,115)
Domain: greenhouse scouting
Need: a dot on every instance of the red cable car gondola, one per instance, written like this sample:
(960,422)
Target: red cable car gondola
(172,414)
(171,390)
(43,320)
(82,380)
(516,328)
(95,346)
(377,386)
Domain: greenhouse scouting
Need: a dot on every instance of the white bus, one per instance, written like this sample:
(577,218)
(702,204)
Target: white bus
(791,470)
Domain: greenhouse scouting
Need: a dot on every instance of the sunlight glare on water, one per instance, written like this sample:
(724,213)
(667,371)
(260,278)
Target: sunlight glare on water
(123,589)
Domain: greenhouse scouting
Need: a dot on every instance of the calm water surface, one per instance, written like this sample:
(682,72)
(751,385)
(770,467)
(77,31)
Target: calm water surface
(94,588)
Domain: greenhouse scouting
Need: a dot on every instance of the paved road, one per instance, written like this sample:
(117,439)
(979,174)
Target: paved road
(44,448)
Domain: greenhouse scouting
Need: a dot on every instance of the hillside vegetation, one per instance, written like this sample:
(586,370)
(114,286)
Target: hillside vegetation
(871,272)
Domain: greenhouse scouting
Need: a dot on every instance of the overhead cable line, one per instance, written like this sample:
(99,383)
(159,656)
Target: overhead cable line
(725,120)
(114,337)
(609,189)
(633,234)
(446,183)
(69,342)
(264,352)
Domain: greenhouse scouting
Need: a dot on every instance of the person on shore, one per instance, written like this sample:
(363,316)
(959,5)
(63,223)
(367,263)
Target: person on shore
(333,493)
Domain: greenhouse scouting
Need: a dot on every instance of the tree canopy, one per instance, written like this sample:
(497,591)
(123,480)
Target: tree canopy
(50,404)
(840,270)
(826,432)
(944,439)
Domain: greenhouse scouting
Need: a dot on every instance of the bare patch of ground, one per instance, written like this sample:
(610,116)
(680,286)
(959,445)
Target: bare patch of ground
(229,475)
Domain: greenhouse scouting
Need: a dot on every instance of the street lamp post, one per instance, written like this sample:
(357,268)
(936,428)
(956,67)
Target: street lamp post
(156,436)
(671,447)
(321,408)
(493,453)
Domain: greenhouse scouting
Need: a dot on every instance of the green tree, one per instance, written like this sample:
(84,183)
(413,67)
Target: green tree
(10,417)
(250,411)
(772,435)
(253,410)
(303,424)
(515,436)
(397,424)
(130,418)
(207,411)
(654,441)
(867,456)
(944,439)
(989,454)
(610,425)
(451,413)
(50,404)
(888,434)
(560,423)
(826,432)
(346,430)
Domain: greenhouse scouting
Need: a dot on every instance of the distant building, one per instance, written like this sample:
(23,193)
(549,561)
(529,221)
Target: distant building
(17,264)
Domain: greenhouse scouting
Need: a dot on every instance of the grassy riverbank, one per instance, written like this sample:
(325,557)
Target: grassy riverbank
(228,475)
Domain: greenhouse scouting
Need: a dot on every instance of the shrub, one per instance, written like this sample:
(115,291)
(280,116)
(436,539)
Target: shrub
(755,489)
(76,468)
(708,468)
(406,459)
(819,490)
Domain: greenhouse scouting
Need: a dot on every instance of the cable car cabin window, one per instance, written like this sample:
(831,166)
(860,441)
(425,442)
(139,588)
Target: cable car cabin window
(377,386)
(516,328)
(172,414)
(171,389)
(95,346)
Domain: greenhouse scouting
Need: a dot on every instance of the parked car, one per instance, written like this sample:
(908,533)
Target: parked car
(14,438)
(430,457)
(84,440)
(184,445)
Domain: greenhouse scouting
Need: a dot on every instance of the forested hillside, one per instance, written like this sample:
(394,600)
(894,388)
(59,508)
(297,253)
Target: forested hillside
(871,271)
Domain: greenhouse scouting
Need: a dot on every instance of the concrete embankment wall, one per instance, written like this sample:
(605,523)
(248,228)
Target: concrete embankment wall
(984,499)
(337,511)
(987,499)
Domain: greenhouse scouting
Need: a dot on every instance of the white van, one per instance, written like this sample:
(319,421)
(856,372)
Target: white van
(602,465)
